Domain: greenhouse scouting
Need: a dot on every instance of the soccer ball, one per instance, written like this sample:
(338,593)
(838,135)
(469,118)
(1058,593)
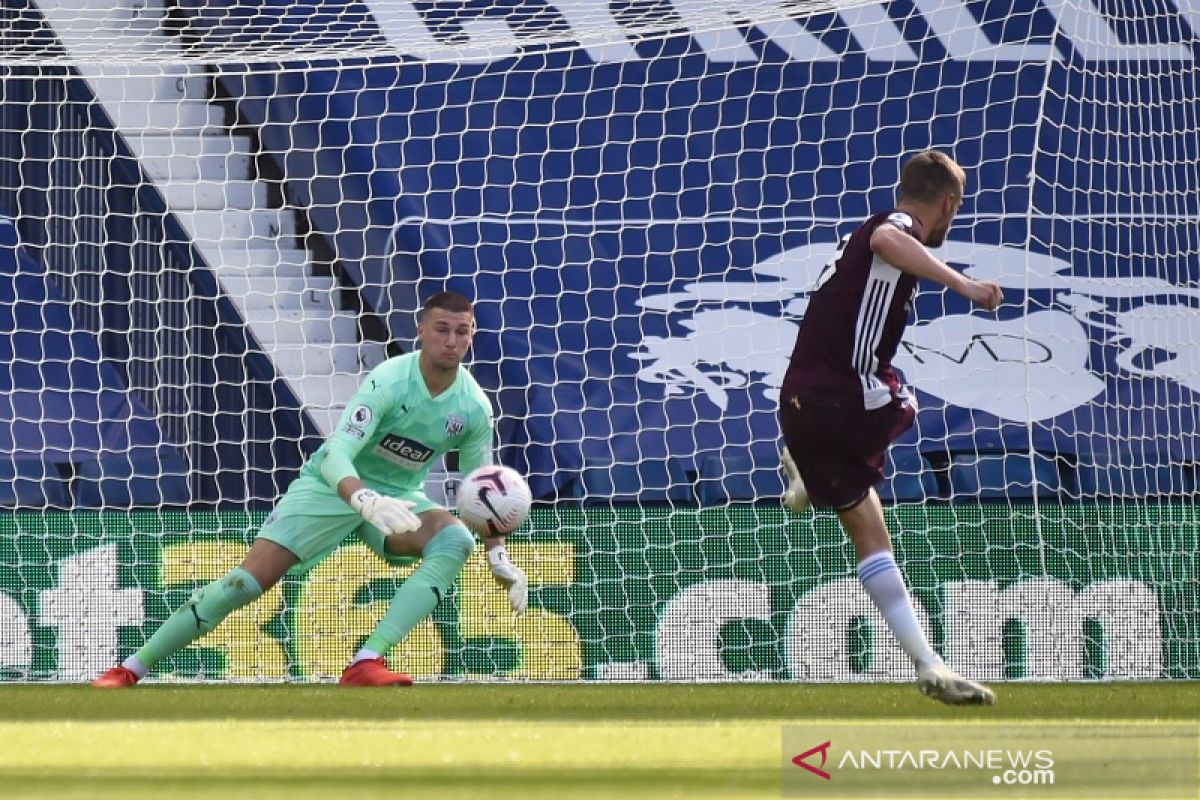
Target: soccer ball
(493,501)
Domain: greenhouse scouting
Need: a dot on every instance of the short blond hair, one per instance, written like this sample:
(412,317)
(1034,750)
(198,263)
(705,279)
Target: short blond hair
(929,175)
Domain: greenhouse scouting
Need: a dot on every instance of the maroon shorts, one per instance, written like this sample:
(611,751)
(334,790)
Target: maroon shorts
(840,450)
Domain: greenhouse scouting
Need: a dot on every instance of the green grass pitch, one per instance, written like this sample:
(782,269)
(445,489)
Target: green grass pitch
(477,740)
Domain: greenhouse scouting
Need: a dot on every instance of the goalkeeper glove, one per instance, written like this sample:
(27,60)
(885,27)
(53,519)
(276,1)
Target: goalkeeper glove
(510,577)
(386,513)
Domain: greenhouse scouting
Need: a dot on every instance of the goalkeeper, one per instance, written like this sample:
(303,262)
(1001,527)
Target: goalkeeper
(368,477)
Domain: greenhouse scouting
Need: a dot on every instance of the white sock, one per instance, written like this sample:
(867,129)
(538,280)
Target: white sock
(365,655)
(881,578)
(136,667)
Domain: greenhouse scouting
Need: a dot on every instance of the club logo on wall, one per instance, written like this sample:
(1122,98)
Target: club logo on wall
(1032,360)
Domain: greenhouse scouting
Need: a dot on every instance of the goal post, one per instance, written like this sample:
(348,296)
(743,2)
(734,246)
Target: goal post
(217,215)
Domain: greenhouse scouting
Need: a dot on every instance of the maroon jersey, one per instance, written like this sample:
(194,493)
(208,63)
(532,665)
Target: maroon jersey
(855,318)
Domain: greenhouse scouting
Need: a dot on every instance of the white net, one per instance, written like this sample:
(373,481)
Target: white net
(166,32)
(216,215)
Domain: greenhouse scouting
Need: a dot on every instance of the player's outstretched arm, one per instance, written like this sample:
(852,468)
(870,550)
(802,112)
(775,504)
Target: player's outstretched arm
(507,574)
(906,254)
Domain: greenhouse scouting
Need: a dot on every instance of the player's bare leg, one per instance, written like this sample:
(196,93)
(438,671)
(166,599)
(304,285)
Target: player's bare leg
(865,525)
(795,496)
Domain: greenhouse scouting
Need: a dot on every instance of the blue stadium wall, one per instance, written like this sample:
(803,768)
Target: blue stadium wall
(130,379)
(603,215)
(640,237)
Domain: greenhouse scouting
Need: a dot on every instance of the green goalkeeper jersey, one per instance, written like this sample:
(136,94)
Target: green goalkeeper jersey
(392,430)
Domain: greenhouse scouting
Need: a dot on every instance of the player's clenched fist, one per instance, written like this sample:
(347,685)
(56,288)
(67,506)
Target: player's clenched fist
(386,513)
(984,294)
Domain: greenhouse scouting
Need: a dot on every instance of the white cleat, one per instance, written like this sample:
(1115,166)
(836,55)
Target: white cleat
(795,496)
(942,683)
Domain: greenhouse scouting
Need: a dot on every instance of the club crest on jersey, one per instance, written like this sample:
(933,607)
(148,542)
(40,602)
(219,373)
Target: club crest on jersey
(403,452)
(455,425)
(360,418)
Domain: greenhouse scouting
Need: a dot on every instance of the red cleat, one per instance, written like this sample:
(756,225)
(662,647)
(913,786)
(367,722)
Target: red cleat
(116,678)
(373,672)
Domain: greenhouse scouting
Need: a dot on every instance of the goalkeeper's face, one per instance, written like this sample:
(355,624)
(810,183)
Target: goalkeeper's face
(445,336)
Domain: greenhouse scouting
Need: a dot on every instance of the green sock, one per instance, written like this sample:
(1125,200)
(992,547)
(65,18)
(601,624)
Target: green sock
(441,561)
(203,611)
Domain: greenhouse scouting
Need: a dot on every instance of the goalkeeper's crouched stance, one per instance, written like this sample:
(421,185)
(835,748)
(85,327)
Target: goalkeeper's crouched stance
(431,533)
(367,478)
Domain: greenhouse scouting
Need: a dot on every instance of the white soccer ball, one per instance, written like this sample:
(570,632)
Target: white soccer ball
(493,501)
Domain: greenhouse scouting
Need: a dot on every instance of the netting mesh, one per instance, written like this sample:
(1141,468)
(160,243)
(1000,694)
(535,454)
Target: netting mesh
(108,32)
(216,216)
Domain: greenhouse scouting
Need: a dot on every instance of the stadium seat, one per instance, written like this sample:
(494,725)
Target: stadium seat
(650,481)
(735,477)
(31,483)
(1004,476)
(126,483)
(907,478)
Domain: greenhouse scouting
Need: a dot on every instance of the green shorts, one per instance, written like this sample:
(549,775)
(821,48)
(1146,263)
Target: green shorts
(311,521)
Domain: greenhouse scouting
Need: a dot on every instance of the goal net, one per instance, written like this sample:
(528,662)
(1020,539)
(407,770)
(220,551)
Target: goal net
(217,215)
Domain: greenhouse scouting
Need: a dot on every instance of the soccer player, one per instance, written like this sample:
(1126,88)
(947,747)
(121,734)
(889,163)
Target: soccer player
(842,405)
(369,477)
